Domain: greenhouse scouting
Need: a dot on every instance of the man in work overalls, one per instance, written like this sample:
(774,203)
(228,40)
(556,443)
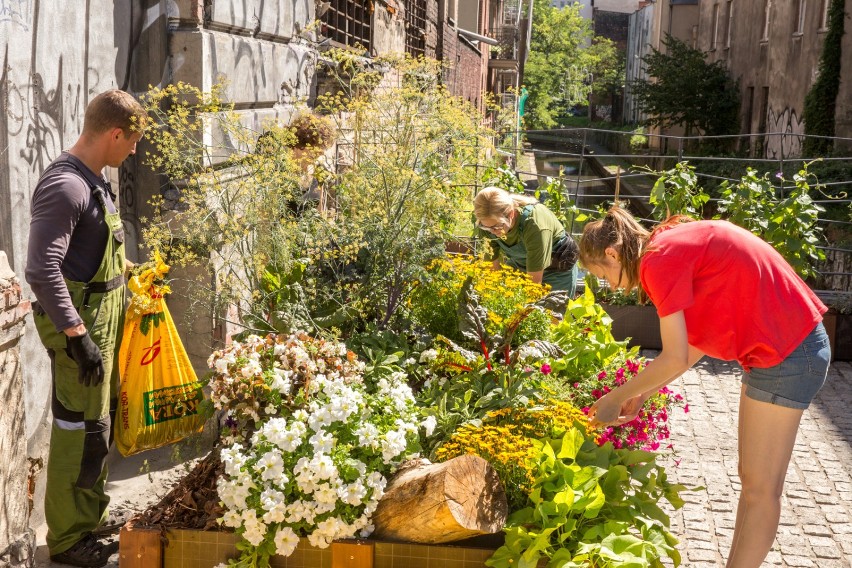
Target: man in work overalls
(75,267)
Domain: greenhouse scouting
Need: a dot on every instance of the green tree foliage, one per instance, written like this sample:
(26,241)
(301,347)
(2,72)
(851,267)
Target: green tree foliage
(562,61)
(821,100)
(683,89)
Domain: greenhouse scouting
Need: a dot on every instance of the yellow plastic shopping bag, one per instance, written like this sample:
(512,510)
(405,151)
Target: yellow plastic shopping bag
(160,396)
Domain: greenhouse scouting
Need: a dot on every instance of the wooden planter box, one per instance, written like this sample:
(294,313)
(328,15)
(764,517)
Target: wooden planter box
(143,548)
(638,323)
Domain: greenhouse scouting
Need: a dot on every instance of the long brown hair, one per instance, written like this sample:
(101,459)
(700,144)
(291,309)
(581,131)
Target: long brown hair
(619,230)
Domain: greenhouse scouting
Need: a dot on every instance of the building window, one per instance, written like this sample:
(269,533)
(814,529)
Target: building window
(714,31)
(415,27)
(800,16)
(347,22)
(729,22)
(767,9)
(823,14)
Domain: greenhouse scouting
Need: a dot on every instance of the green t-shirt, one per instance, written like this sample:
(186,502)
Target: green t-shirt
(536,234)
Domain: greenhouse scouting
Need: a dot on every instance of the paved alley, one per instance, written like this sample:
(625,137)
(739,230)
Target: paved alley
(816,520)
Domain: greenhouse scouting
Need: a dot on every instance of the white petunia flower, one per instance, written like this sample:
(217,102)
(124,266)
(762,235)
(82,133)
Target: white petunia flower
(286,541)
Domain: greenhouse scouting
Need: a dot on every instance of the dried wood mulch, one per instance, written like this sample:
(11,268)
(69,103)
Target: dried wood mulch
(191,504)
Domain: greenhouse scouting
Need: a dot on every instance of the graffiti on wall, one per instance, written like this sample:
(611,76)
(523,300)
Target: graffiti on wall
(17,12)
(790,127)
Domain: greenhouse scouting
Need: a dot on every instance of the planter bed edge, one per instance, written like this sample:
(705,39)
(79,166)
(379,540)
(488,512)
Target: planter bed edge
(146,548)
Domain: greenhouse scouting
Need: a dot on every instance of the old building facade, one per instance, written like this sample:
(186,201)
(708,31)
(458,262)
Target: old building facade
(648,26)
(773,49)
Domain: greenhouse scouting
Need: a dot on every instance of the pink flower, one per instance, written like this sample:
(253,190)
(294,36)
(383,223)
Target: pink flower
(685,408)
(601,375)
(545,369)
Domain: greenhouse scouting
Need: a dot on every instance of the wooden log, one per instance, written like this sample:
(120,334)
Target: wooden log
(442,502)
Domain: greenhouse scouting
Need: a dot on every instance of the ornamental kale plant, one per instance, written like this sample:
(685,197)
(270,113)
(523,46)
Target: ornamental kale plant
(312,444)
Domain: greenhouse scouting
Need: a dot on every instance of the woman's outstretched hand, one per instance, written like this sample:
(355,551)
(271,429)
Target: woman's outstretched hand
(609,410)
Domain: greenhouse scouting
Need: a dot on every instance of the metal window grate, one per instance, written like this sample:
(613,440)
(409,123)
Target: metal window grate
(415,27)
(347,22)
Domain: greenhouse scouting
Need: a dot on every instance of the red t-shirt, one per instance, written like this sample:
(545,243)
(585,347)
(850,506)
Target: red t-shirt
(741,300)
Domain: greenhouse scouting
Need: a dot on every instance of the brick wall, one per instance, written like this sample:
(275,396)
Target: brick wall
(16,539)
(433,24)
(464,72)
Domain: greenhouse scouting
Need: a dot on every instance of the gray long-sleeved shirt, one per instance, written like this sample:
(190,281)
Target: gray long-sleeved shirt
(68,236)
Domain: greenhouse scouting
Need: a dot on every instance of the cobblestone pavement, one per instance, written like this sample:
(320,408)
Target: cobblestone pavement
(816,518)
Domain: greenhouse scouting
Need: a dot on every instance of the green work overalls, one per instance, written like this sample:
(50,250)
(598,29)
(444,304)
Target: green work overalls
(516,257)
(75,502)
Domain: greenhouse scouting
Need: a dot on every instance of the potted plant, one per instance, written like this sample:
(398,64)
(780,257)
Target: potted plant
(633,321)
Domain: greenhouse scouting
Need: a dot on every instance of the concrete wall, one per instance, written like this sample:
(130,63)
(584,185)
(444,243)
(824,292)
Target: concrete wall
(16,539)
(56,56)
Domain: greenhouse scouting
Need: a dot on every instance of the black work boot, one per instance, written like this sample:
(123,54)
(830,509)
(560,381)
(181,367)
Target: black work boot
(87,552)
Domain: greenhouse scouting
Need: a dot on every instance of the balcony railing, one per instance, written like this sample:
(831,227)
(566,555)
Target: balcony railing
(508,41)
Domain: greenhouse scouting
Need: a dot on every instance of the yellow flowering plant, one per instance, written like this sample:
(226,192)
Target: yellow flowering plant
(148,285)
(505,439)
(435,302)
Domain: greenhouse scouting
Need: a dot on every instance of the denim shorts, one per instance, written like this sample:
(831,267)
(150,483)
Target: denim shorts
(795,381)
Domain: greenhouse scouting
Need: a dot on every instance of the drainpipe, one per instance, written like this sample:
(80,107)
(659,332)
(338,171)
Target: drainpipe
(473,36)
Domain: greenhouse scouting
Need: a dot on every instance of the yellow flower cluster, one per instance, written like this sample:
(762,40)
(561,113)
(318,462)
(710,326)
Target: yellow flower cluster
(488,283)
(148,287)
(506,448)
(505,440)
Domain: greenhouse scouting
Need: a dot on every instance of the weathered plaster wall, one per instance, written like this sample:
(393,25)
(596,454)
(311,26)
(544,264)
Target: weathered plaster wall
(55,58)
(16,539)
(776,71)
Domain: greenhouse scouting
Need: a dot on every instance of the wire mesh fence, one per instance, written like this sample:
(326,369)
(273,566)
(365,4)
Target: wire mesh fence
(599,167)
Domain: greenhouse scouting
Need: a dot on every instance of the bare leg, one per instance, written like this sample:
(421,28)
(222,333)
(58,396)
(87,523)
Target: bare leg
(767,434)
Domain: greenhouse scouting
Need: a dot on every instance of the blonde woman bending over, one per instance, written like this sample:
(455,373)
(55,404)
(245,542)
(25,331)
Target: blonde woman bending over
(527,236)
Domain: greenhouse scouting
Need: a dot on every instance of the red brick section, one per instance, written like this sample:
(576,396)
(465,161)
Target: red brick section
(432,26)
(13,308)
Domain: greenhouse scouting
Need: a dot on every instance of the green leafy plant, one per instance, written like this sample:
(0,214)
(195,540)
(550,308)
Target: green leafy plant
(592,506)
(638,141)
(556,199)
(410,146)
(821,100)
(585,336)
(676,192)
(787,222)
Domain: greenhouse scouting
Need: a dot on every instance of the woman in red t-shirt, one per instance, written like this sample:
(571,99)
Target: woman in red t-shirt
(721,291)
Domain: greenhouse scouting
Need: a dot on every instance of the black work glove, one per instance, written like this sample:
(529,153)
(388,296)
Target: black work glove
(86,354)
